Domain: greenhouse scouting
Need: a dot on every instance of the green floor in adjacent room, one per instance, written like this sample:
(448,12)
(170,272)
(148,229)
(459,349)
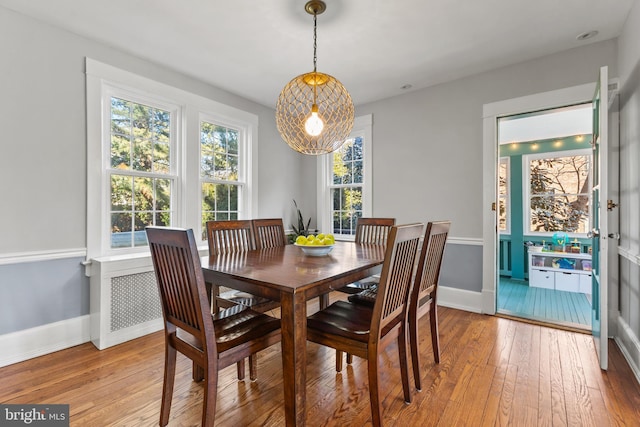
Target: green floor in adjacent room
(517,298)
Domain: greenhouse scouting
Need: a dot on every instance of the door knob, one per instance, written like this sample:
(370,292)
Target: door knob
(593,233)
(614,236)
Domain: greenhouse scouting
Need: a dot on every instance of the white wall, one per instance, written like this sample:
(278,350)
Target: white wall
(427,158)
(43,134)
(629,104)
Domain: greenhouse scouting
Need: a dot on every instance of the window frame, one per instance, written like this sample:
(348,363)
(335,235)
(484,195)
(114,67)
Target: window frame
(362,127)
(103,79)
(526,190)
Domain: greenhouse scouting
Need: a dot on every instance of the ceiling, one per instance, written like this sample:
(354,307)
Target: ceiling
(374,47)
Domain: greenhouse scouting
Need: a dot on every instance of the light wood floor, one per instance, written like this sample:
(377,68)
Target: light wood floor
(493,371)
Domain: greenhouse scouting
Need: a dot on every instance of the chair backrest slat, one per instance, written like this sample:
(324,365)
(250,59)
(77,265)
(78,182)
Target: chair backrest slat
(396,276)
(230,236)
(430,262)
(269,233)
(180,281)
(373,230)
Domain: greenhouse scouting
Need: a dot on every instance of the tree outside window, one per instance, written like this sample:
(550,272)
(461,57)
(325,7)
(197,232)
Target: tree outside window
(559,193)
(346,190)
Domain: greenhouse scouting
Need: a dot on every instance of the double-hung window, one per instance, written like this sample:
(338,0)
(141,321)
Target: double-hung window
(141,172)
(158,155)
(222,171)
(345,185)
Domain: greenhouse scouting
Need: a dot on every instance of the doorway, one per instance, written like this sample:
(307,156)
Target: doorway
(544,260)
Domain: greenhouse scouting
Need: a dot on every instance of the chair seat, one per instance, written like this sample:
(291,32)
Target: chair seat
(240,324)
(366,297)
(343,319)
(359,286)
(242,298)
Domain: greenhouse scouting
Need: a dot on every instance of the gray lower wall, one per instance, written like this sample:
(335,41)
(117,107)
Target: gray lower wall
(462,267)
(41,292)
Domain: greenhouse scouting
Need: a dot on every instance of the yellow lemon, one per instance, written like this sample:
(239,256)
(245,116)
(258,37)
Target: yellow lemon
(310,238)
(320,236)
(301,240)
(330,238)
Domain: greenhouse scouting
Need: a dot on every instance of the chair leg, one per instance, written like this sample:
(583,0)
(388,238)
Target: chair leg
(374,389)
(210,392)
(404,365)
(253,367)
(240,369)
(435,337)
(197,372)
(338,361)
(323,301)
(349,358)
(167,386)
(414,344)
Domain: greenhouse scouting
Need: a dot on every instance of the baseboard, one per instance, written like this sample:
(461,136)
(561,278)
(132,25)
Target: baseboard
(29,343)
(127,334)
(460,299)
(629,346)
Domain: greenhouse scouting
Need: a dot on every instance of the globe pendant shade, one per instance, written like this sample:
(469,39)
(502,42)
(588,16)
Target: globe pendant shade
(334,114)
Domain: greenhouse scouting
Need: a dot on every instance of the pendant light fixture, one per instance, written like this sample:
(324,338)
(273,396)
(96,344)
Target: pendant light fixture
(314,113)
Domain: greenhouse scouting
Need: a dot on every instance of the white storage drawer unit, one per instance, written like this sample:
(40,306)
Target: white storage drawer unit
(560,271)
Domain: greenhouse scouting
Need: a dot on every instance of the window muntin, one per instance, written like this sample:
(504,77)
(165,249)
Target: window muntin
(140,164)
(347,187)
(558,192)
(220,173)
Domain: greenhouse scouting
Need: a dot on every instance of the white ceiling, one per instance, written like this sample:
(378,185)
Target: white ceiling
(253,48)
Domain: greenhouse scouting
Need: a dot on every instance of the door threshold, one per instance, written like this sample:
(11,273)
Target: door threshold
(565,326)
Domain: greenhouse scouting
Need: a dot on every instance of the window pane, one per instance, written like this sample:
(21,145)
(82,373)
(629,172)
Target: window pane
(137,202)
(161,156)
(120,152)
(218,152)
(564,213)
(219,202)
(560,194)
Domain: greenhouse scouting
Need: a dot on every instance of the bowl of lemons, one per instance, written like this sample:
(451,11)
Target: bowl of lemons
(315,245)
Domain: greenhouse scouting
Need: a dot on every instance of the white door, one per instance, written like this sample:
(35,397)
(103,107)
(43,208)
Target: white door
(599,232)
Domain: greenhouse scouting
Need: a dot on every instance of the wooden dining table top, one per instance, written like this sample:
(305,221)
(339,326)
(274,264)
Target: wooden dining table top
(287,269)
(288,275)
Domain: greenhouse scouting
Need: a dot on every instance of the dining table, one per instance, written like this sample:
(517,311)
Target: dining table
(288,275)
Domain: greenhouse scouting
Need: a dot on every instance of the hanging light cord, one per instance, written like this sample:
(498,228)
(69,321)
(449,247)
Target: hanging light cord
(315,41)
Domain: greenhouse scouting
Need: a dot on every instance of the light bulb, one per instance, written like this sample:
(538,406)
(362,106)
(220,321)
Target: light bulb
(314,124)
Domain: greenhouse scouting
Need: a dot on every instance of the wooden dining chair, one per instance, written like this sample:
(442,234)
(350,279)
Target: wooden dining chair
(269,233)
(365,331)
(234,236)
(212,342)
(423,294)
(374,231)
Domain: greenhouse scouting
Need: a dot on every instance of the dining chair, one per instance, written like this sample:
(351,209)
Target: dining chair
(374,231)
(212,342)
(269,233)
(234,236)
(366,331)
(423,297)
(424,293)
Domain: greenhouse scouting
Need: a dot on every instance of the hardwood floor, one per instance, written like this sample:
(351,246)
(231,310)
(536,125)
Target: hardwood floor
(493,371)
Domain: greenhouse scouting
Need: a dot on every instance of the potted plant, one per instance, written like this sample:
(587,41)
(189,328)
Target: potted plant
(302,229)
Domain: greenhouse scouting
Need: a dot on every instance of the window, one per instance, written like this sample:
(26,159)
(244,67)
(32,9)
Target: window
(345,187)
(503,196)
(558,191)
(158,155)
(140,171)
(220,173)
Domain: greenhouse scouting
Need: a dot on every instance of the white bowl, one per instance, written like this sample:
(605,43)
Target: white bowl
(315,250)
(535,248)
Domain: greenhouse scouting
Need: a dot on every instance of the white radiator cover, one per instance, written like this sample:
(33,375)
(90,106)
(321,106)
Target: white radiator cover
(124,300)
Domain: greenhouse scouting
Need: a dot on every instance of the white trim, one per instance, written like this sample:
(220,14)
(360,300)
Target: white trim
(35,256)
(629,346)
(464,241)
(29,343)
(460,299)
